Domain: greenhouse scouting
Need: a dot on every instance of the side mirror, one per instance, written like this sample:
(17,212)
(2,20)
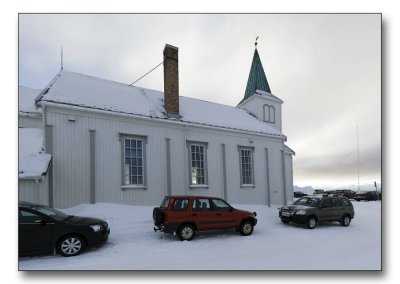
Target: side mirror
(40,221)
(230,209)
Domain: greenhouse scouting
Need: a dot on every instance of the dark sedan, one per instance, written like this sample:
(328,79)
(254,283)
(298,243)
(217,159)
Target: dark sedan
(44,230)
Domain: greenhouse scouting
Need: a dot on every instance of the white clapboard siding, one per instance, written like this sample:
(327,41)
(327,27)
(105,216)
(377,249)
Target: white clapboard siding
(71,160)
(33,191)
(30,121)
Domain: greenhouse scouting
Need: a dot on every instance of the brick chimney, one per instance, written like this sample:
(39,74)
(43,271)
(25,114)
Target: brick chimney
(171,81)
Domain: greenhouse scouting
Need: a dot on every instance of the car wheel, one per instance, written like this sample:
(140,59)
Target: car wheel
(284,221)
(186,232)
(246,228)
(345,221)
(311,222)
(70,245)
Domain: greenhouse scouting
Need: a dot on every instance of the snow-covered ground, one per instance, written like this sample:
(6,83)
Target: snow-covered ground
(133,245)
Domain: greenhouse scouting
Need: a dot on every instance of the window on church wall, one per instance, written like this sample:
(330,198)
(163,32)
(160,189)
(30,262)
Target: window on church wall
(133,167)
(269,113)
(246,158)
(198,163)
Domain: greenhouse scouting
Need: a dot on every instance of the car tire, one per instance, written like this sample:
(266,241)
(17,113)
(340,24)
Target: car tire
(186,232)
(345,221)
(70,245)
(246,228)
(311,222)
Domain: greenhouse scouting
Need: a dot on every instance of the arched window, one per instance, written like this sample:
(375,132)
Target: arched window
(272,114)
(269,113)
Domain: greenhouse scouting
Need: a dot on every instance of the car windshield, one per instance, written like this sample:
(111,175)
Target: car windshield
(51,212)
(308,201)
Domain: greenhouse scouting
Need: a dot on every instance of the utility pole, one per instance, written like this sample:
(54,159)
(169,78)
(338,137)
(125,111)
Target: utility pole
(62,63)
(358,160)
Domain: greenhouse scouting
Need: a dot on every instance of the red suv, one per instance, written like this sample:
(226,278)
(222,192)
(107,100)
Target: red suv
(184,215)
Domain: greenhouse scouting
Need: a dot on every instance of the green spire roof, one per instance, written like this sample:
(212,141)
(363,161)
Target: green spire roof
(257,79)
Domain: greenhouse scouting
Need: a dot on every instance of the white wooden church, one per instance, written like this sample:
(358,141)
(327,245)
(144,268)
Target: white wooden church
(112,142)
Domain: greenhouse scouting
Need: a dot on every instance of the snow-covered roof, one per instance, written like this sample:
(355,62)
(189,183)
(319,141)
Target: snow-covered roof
(270,95)
(80,90)
(26,101)
(260,94)
(33,162)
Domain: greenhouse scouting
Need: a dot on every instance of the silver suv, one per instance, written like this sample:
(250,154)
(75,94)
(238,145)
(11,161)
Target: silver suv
(310,210)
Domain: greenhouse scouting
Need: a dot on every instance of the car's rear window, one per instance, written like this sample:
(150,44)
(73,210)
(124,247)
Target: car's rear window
(165,202)
(180,204)
(345,202)
(201,204)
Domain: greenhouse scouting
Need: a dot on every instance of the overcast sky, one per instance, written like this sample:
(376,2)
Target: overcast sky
(326,68)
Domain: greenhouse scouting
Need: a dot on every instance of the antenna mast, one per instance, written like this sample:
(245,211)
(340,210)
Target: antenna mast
(358,160)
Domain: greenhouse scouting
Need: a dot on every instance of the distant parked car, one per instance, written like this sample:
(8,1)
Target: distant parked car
(318,191)
(367,196)
(43,230)
(184,215)
(298,194)
(346,193)
(313,209)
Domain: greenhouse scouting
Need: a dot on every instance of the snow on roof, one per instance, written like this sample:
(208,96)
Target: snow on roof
(33,162)
(267,94)
(26,100)
(80,90)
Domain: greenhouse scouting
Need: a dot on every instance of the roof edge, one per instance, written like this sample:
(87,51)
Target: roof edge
(46,89)
(160,119)
(289,150)
(273,98)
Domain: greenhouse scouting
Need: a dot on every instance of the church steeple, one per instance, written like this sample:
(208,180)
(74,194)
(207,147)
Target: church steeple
(257,79)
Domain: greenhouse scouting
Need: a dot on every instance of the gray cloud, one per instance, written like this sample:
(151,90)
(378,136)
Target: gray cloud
(326,68)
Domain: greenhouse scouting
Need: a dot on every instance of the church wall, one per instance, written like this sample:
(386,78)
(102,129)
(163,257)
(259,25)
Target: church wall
(35,191)
(72,160)
(30,121)
(289,176)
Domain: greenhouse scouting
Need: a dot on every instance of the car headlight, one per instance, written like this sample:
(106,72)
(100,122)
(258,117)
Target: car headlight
(300,212)
(96,228)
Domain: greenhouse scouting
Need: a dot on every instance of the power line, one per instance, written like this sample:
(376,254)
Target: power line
(147,73)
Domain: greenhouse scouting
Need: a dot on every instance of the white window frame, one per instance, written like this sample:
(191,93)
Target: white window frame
(130,171)
(248,167)
(269,113)
(203,160)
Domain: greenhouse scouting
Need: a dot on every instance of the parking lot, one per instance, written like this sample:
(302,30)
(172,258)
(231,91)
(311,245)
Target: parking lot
(133,245)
